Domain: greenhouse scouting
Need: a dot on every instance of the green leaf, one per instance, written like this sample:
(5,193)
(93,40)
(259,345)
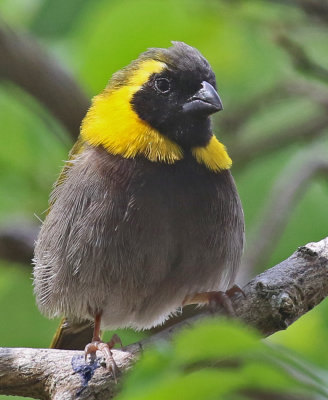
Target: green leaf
(215,339)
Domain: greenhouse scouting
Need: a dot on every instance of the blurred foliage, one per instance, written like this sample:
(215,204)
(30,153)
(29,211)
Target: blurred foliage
(94,39)
(189,368)
(29,157)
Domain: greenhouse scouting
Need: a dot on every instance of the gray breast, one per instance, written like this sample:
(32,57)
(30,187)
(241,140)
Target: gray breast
(131,238)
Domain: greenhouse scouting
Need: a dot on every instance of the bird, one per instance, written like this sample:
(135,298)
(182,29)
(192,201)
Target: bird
(145,216)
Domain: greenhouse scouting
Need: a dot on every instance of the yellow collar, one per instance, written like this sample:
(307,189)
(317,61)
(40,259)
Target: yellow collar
(112,123)
(214,156)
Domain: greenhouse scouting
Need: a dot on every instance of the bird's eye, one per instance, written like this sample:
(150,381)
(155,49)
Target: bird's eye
(162,85)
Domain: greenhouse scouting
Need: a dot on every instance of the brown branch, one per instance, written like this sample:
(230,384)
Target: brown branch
(273,300)
(315,8)
(17,242)
(301,59)
(308,90)
(231,122)
(24,62)
(242,153)
(285,193)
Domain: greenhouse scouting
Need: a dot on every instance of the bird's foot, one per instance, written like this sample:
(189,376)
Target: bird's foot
(223,299)
(215,299)
(235,289)
(105,349)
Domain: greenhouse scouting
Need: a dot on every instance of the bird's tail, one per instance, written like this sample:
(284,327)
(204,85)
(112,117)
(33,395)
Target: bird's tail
(72,335)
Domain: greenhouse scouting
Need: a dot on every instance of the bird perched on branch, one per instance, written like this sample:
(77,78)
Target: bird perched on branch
(145,216)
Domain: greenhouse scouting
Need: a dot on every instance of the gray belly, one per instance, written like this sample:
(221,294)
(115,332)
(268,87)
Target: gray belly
(131,238)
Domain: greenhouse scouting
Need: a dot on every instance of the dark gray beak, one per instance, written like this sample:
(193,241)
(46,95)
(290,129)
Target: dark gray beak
(205,101)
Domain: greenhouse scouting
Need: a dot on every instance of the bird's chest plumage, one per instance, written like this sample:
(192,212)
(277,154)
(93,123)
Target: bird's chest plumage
(167,216)
(137,235)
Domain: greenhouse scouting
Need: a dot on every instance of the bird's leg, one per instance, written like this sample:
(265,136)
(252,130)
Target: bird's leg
(213,299)
(105,348)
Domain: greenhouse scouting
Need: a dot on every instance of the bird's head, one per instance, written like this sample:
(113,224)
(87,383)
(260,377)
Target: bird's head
(179,99)
(159,106)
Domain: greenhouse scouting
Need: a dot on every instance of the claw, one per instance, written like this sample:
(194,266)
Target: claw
(115,339)
(235,289)
(91,349)
(105,349)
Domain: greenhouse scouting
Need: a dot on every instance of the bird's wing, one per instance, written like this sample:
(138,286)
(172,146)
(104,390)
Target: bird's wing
(71,335)
(75,151)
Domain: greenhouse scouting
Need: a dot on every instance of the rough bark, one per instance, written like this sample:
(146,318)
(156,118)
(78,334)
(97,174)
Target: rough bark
(273,301)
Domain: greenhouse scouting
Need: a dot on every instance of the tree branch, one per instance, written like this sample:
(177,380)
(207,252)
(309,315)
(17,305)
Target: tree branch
(291,184)
(231,121)
(273,300)
(315,92)
(17,242)
(313,8)
(243,153)
(301,59)
(23,62)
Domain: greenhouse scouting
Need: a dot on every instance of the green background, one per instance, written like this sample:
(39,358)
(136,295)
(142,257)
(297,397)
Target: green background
(93,39)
